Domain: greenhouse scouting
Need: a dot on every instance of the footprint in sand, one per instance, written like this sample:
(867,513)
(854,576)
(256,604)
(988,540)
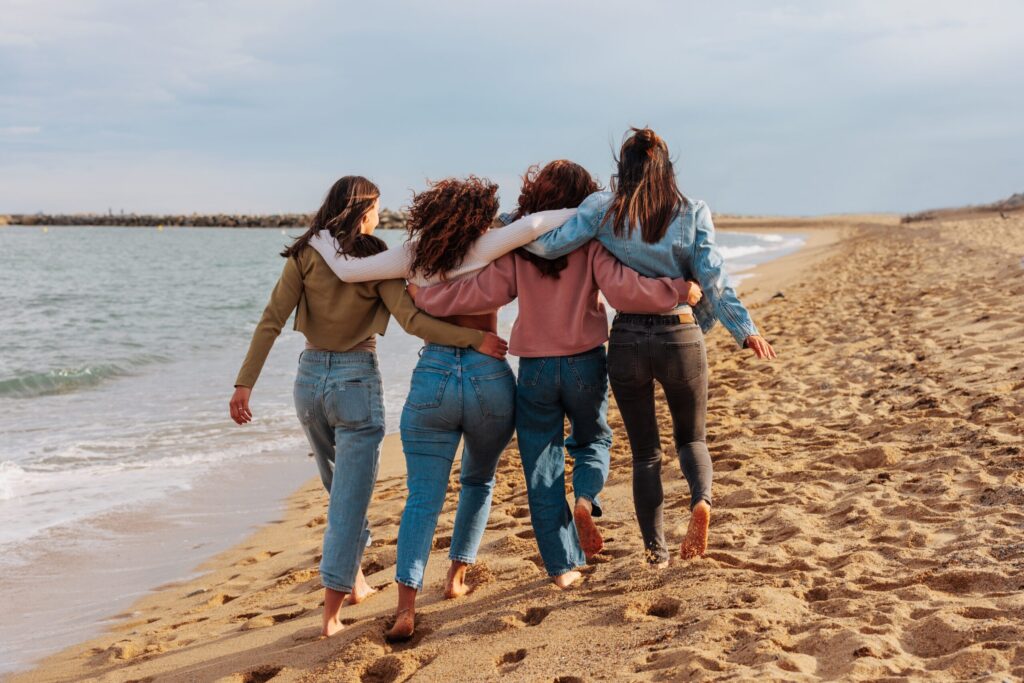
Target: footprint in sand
(513,657)
(535,615)
(645,610)
(260,674)
(263,620)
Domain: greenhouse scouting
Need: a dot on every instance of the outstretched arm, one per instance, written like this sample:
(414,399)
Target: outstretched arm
(487,290)
(708,268)
(576,231)
(283,301)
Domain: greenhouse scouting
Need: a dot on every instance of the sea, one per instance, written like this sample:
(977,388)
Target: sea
(120,468)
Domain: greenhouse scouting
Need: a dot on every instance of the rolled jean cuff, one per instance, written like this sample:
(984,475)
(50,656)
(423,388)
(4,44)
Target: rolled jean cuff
(326,583)
(552,573)
(462,558)
(596,510)
(415,585)
(697,499)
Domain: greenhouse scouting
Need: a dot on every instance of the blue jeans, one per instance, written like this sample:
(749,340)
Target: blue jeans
(340,403)
(455,393)
(549,390)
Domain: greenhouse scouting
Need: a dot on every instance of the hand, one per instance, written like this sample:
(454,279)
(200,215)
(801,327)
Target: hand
(240,412)
(494,346)
(695,294)
(412,289)
(760,346)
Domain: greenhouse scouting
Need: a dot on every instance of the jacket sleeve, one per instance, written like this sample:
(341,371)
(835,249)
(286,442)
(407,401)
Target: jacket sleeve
(388,264)
(417,323)
(627,290)
(487,290)
(283,301)
(574,233)
(708,269)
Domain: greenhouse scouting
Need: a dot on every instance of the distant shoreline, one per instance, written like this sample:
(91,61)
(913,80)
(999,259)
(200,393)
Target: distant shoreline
(388,220)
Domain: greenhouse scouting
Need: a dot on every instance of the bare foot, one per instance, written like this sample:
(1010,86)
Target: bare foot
(455,586)
(590,537)
(333,601)
(404,628)
(695,544)
(360,591)
(567,579)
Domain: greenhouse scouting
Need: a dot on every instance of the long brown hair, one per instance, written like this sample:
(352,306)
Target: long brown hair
(342,213)
(447,218)
(561,184)
(646,193)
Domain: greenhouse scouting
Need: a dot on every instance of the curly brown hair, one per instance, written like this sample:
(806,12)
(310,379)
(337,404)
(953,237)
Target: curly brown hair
(561,184)
(447,218)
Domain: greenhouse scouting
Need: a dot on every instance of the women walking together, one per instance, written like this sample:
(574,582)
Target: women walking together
(649,249)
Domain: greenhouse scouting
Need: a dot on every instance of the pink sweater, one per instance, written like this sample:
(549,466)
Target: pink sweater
(556,317)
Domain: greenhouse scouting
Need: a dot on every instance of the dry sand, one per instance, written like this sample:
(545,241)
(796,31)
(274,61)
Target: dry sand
(869,517)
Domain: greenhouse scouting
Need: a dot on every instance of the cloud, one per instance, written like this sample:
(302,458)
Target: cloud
(15,131)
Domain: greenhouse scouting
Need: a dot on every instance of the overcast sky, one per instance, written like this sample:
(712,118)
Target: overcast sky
(258,106)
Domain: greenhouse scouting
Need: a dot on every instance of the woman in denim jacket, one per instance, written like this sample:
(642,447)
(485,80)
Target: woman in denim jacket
(652,228)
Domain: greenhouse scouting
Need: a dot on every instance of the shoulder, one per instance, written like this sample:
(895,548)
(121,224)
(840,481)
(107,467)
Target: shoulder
(597,201)
(696,206)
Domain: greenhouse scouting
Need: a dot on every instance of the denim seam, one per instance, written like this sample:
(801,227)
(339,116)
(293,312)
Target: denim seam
(462,558)
(335,586)
(558,572)
(410,583)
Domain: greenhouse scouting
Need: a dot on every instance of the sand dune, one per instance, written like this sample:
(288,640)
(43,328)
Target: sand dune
(869,517)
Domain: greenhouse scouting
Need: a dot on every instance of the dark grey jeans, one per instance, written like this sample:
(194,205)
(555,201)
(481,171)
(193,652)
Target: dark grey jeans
(643,349)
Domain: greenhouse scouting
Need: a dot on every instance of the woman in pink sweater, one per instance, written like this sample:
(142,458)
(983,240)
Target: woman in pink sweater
(559,336)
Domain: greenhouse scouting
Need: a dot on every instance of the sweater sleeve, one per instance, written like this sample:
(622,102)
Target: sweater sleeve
(627,290)
(499,241)
(487,290)
(417,323)
(283,301)
(388,264)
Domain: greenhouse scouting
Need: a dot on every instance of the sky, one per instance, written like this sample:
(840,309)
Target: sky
(257,106)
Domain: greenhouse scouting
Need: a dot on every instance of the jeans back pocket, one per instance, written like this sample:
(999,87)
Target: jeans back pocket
(683,361)
(347,404)
(590,370)
(623,361)
(427,388)
(496,393)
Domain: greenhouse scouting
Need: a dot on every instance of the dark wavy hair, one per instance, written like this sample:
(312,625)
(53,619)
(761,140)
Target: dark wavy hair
(561,184)
(342,213)
(646,194)
(447,218)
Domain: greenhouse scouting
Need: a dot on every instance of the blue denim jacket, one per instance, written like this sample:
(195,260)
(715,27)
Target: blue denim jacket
(687,250)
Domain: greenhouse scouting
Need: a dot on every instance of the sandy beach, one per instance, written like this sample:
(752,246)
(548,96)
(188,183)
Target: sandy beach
(868,522)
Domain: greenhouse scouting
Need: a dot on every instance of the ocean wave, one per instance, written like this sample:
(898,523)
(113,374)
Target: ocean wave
(67,380)
(10,476)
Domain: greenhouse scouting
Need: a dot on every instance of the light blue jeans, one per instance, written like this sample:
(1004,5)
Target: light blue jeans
(455,393)
(340,403)
(551,389)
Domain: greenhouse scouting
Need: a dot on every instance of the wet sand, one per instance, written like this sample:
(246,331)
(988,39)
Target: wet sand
(868,521)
